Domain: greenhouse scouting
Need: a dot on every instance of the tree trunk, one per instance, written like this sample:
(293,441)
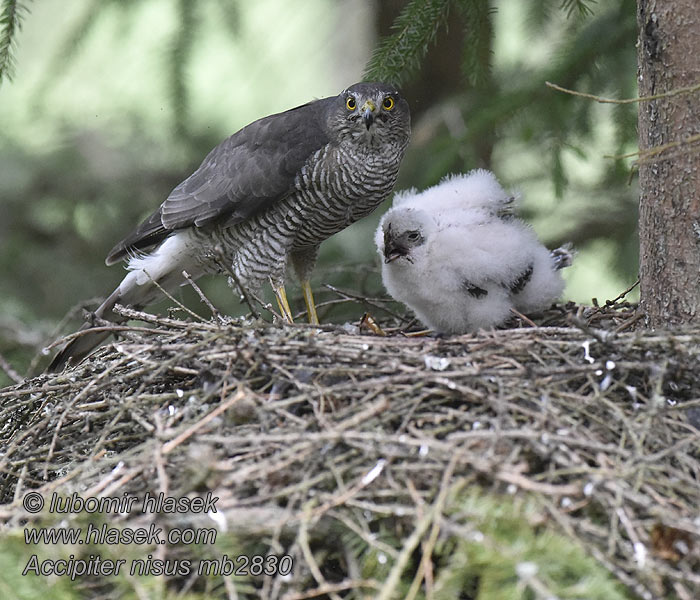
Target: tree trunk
(669,206)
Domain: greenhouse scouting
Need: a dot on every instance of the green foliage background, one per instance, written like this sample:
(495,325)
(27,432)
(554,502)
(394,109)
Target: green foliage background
(113,103)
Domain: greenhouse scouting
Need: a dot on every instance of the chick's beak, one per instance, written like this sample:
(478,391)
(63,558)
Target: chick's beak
(392,249)
(368,109)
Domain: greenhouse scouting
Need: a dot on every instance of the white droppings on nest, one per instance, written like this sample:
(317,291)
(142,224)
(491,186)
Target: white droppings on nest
(374,473)
(219,518)
(350,329)
(436,363)
(640,554)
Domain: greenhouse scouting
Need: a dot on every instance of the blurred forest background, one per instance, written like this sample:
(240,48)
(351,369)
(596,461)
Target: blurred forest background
(114,102)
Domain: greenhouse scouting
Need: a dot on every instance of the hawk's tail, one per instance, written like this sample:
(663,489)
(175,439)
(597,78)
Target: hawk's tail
(135,292)
(164,265)
(87,339)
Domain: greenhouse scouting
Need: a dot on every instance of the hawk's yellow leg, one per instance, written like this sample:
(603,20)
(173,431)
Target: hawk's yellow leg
(281,297)
(309,300)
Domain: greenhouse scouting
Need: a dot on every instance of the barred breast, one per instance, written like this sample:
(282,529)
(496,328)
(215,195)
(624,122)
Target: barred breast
(338,185)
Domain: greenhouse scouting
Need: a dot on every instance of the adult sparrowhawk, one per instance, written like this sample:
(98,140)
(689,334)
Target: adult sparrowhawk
(265,197)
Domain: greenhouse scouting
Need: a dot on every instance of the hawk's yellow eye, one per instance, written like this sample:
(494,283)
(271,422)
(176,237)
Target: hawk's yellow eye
(350,103)
(388,103)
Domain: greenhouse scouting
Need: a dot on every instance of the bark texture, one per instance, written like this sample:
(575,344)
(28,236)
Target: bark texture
(669,211)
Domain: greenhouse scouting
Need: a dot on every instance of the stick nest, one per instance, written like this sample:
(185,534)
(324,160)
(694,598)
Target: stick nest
(330,444)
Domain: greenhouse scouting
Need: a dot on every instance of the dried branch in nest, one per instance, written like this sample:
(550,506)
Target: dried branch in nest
(337,448)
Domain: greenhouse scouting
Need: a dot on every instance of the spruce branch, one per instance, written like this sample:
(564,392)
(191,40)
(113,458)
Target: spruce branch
(10,25)
(414,30)
(476,53)
(583,7)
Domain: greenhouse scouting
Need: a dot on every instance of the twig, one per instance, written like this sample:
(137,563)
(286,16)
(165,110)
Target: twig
(54,335)
(629,322)
(11,373)
(158,456)
(433,516)
(425,569)
(342,498)
(175,442)
(602,336)
(676,92)
(139,315)
(215,313)
(66,411)
(172,298)
(622,294)
(303,541)
(648,153)
(520,315)
(378,303)
(330,588)
(91,330)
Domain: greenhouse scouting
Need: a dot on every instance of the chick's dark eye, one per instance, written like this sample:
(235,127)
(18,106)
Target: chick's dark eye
(350,103)
(388,103)
(413,236)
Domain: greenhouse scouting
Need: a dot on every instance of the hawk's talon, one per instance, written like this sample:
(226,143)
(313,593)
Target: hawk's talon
(281,297)
(309,301)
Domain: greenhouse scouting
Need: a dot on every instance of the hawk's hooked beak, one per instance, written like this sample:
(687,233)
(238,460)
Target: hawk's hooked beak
(368,109)
(393,249)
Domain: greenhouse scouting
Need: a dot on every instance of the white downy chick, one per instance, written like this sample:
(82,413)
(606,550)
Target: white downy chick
(455,256)
(472,198)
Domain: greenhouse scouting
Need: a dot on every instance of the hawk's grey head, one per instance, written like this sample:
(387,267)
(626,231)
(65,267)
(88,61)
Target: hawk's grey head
(371,112)
(404,234)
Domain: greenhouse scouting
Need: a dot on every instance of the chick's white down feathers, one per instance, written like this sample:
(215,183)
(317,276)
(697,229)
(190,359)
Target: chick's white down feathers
(456,256)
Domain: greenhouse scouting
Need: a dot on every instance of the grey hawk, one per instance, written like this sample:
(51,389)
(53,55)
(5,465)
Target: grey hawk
(266,196)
